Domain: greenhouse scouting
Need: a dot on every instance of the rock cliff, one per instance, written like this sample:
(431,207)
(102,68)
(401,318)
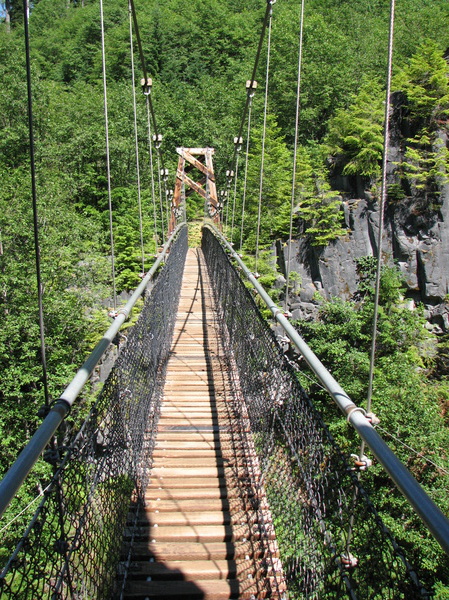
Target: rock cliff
(415,237)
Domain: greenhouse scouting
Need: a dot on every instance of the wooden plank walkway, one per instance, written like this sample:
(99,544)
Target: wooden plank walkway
(199,536)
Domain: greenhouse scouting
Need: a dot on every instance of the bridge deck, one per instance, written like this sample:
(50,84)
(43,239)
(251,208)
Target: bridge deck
(199,535)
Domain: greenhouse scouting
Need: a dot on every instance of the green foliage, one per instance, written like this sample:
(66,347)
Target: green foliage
(425,83)
(355,135)
(426,162)
(276,192)
(406,399)
(318,205)
(199,55)
(73,280)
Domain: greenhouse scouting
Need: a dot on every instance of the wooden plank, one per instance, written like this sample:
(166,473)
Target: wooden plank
(198,551)
(194,533)
(198,530)
(196,150)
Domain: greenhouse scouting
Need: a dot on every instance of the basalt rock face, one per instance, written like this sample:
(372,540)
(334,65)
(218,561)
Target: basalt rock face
(415,235)
(416,240)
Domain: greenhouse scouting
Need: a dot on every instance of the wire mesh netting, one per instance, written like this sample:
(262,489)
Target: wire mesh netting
(72,548)
(331,541)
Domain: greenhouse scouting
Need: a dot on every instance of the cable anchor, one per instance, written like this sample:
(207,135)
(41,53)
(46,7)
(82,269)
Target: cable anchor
(372,418)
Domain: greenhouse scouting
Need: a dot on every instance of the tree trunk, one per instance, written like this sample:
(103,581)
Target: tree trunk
(8,15)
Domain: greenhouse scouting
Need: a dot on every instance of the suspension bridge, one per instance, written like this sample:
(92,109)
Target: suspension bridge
(203,469)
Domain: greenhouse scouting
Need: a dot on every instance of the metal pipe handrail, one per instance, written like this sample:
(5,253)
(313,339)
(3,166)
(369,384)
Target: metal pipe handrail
(61,408)
(427,510)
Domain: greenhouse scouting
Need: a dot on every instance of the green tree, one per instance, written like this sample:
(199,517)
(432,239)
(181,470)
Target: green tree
(406,399)
(318,206)
(355,134)
(425,83)
(276,192)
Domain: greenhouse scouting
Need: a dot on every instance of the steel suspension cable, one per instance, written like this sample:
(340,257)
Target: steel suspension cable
(145,76)
(234,198)
(245,181)
(267,18)
(264,132)
(136,139)
(43,353)
(383,194)
(52,441)
(167,197)
(160,199)
(226,217)
(150,147)
(361,458)
(108,162)
(295,154)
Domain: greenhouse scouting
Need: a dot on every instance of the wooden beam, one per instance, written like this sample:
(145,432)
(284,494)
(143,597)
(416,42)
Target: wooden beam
(196,150)
(196,163)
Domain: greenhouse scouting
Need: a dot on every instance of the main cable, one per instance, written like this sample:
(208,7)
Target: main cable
(264,133)
(108,162)
(266,20)
(245,178)
(35,210)
(145,77)
(136,140)
(295,155)
(153,191)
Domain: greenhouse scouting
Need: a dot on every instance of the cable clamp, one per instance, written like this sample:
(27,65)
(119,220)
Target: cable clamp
(146,85)
(355,409)
(122,311)
(349,561)
(372,418)
(43,411)
(52,457)
(251,89)
(362,463)
(157,139)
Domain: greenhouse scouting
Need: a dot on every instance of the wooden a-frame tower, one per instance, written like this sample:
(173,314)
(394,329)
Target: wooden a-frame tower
(200,159)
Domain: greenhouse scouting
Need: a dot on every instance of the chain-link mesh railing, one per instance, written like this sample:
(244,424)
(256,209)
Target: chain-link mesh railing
(73,546)
(331,540)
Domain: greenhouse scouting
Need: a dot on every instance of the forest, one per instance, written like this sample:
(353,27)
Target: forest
(199,56)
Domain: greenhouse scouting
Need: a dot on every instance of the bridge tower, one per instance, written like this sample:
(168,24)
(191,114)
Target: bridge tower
(200,159)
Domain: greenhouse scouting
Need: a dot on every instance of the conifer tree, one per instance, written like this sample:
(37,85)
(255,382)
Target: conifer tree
(319,206)
(276,192)
(425,83)
(355,134)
